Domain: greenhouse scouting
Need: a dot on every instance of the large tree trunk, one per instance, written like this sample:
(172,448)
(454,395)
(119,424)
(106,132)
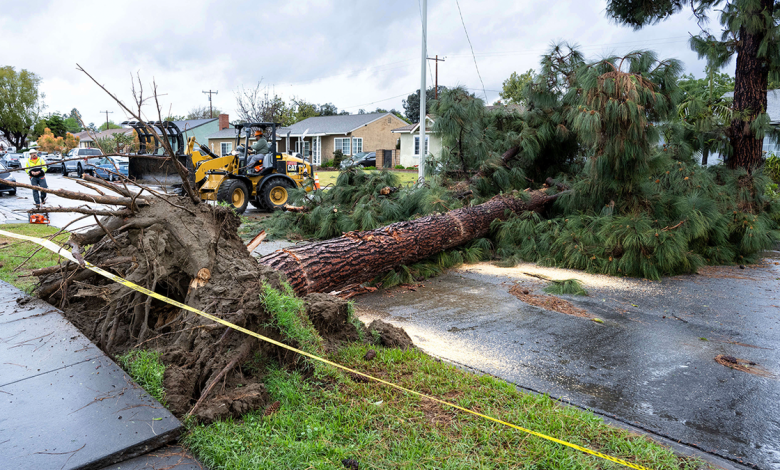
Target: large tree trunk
(358,257)
(750,87)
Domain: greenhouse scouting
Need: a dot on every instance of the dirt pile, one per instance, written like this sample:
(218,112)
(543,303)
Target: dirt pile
(391,336)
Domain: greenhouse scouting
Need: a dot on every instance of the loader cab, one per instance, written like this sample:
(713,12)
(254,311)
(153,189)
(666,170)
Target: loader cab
(277,161)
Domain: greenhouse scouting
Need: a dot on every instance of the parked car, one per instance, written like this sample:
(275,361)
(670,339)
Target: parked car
(90,159)
(104,168)
(360,159)
(6,175)
(12,160)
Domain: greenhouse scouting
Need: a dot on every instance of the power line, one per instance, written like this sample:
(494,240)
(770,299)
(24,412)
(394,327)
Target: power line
(379,101)
(659,41)
(472,49)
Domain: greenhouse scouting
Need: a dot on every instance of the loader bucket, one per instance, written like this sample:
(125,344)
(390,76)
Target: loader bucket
(143,166)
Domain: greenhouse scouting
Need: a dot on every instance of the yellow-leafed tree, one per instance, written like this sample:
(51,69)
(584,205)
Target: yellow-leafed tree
(71,142)
(49,143)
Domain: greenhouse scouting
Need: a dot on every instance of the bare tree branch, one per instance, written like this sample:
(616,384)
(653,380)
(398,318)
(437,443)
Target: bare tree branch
(94,198)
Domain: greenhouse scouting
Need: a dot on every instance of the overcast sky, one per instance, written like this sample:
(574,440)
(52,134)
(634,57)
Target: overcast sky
(354,54)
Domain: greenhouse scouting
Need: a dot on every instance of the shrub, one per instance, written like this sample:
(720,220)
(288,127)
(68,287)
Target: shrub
(328,164)
(369,168)
(772,165)
(338,155)
(400,167)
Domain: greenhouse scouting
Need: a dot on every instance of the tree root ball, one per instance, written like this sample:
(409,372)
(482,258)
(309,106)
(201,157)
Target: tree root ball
(190,253)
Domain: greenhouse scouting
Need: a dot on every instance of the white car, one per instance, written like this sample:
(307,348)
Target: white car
(90,159)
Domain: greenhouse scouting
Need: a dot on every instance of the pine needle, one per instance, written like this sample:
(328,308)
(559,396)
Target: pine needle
(565,287)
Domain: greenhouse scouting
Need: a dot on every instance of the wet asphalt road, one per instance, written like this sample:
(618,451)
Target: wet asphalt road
(656,372)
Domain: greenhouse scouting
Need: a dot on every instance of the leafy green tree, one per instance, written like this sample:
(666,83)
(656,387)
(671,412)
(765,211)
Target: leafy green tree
(704,113)
(200,112)
(73,121)
(302,109)
(174,117)
(20,104)
(750,32)
(109,125)
(412,103)
(513,88)
(327,109)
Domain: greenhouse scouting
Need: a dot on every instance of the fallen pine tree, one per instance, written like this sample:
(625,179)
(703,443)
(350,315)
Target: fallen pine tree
(357,257)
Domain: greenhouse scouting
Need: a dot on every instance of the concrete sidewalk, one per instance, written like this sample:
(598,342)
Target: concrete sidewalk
(65,404)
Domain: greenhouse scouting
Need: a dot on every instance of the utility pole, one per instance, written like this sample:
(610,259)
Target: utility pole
(421,167)
(107,113)
(436,90)
(211,112)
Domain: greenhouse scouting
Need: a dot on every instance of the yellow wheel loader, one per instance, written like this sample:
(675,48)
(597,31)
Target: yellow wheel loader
(229,179)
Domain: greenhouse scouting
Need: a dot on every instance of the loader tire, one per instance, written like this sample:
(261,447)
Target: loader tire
(257,203)
(234,193)
(276,193)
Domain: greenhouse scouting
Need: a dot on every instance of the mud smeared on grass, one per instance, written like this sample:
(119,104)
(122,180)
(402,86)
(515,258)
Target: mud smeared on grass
(548,302)
(743,365)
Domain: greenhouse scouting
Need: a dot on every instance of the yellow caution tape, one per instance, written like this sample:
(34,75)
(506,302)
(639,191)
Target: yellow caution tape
(66,254)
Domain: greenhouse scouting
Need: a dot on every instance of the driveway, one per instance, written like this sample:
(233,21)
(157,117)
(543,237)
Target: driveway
(651,363)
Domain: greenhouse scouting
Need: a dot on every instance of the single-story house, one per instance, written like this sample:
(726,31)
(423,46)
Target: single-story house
(224,141)
(317,138)
(410,142)
(350,133)
(410,137)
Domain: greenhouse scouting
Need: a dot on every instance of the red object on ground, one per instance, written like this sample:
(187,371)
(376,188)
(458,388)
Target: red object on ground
(39,219)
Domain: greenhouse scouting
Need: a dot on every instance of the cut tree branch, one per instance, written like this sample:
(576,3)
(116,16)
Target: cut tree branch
(94,198)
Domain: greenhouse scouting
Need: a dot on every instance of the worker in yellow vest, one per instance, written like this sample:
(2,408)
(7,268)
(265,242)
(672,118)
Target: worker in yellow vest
(36,169)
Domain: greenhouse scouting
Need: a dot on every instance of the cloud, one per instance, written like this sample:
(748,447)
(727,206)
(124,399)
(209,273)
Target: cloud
(350,53)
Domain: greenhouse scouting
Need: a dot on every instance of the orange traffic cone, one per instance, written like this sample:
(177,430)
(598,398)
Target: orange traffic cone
(316,181)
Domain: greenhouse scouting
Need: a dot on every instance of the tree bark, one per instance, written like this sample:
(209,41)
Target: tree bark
(750,88)
(357,257)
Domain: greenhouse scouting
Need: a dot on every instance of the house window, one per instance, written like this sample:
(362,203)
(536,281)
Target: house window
(357,144)
(343,145)
(306,150)
(417,145)
(226,148)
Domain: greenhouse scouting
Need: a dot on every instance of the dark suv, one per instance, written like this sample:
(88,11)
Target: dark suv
(12,160)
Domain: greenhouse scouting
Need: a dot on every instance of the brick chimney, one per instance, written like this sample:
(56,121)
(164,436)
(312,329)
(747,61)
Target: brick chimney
(224,121)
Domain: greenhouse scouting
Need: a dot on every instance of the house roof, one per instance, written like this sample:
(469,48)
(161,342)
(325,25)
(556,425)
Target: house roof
(772,104)
(330,125)
(193,123)
(87,136)
(411,128)
(230,133)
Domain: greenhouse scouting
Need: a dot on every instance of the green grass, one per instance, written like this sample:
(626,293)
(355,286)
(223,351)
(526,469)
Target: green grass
(16,251)
(146,368)
(289,317)
(319,425)
(329,177)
